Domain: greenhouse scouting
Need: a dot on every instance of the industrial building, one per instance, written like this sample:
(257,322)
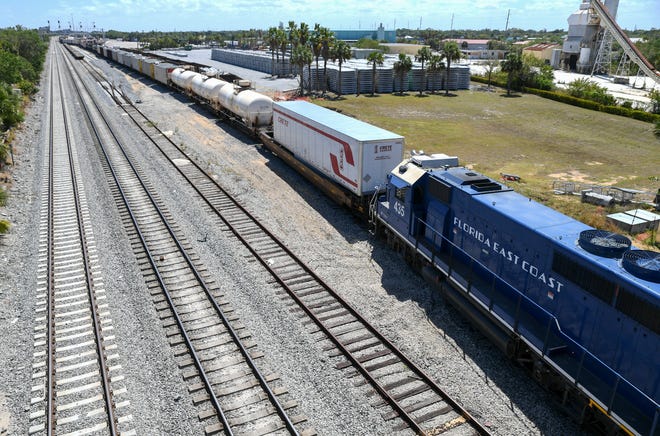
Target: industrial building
(379,34)
(544,52)
(592,32)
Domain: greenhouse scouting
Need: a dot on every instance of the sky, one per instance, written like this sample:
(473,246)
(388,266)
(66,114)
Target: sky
(171,15)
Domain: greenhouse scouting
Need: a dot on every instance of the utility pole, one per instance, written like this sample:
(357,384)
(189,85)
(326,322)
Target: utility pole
(451,27)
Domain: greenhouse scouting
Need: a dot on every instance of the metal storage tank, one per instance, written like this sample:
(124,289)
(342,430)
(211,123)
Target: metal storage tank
(354,154)
(255,109)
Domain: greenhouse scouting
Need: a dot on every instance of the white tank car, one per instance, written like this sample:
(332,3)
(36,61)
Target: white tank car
(210,89)
(183,79)
(197,83)
(256,110)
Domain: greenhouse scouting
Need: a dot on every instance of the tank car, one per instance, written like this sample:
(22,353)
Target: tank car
(183,79)
(254,109)
(576,305)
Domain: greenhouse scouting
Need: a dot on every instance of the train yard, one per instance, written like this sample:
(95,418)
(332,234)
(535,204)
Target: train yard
(307,348)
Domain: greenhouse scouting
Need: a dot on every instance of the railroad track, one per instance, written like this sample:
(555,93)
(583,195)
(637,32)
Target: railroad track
(213,351)
(414,399)
(76,388)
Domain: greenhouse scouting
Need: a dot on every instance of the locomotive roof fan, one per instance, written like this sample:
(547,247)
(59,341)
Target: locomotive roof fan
(644,264)
(603,243)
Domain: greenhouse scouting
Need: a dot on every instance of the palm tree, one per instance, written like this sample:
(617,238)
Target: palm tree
(303,41)
(423,55)
(451,52)
(301,55)
(303,34)
(341,52)
(401,68)
(375,58)
(271,37)
(283,43)
(512,65)
(317,47)
(292,39)
(436,65)
(327,44)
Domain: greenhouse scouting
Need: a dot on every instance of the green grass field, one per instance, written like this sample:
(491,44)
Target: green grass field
(538,139)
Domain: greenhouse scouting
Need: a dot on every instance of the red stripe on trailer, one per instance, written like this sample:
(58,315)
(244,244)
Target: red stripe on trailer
(335,169)
(347,149)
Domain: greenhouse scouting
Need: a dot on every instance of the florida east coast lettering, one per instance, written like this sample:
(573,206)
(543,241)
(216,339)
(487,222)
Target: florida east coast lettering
(509,256)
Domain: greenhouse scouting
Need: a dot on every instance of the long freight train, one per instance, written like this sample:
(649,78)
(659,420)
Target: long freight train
(578,307)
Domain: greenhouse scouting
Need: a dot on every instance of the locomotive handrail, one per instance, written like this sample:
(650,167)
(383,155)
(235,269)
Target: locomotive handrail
(600,367)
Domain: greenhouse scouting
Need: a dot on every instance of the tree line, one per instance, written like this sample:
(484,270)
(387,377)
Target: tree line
(307,45)
(22,55)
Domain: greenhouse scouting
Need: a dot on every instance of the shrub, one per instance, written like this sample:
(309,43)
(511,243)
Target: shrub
(4,226)
(654,95)
(587,90)
(10,113)
(27,88)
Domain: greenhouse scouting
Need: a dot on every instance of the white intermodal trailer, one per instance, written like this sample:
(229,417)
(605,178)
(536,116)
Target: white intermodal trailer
(352,153)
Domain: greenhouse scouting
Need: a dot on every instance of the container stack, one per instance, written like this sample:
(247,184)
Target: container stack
(398,85)
(416,79)
(316,76)
(435,80)
(253,60)
(364,80)
(385,80)
(348,80)
(356,73)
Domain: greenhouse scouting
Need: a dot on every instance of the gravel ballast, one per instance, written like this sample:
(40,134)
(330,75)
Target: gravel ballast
(337,246)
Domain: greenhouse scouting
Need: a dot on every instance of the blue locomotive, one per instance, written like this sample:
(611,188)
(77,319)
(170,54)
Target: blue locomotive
(577,306)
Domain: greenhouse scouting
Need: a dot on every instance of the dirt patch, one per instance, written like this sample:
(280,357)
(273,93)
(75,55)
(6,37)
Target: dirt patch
(573,176)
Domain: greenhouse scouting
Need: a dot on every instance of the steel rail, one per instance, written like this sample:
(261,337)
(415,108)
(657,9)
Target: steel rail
(100,349)
(281,412)
(50,273)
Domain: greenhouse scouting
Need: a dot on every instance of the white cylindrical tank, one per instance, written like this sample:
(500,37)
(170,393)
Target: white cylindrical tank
(183,79)
(197,83)
(585,54)
(256,110)
(210,89)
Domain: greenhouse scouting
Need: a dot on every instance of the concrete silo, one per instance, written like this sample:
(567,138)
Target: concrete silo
(584,35)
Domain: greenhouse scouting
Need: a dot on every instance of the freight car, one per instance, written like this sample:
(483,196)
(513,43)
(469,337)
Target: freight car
(577,306)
